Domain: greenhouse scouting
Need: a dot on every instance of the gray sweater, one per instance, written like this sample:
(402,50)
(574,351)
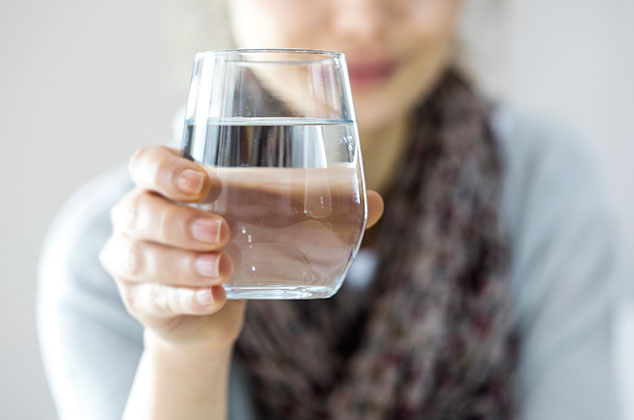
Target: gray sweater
(563,276)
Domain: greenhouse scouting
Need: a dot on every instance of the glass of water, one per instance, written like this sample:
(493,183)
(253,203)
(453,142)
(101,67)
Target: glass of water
(276,131)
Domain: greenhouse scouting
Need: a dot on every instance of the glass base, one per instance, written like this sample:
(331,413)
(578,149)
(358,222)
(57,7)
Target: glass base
(279,292)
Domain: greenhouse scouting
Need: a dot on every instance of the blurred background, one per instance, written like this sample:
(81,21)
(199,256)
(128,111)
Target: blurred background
(83,84)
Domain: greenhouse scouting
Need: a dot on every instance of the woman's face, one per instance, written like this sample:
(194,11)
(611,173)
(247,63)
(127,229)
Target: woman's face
(396,49)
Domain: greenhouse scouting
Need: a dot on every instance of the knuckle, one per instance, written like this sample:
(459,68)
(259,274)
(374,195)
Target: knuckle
(165,221)
(171,221)
(109,255)
(187,264)
(137,159)
(158,298)
(132,261)
(173,300)
(152,167)
(165,172)
(128,297)
(123,215)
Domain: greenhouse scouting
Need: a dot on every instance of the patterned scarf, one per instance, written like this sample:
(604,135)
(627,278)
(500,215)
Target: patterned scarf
(433,339)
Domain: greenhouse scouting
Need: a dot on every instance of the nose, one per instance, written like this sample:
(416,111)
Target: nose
(360,20)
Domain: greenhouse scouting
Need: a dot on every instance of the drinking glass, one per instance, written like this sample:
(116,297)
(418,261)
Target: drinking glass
(276,131)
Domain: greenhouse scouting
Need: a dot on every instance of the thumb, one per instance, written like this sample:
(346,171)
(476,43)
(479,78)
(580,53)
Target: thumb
(375,208)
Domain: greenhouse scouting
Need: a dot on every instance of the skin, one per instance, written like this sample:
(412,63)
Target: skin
(417,36)
(167,258)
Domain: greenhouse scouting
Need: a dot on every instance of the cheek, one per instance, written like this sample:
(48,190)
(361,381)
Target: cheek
(301,17)
(430,20)
(423,58)
(277,23)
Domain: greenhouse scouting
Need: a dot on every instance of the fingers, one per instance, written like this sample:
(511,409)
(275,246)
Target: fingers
(146,262)
(159,282)
(375,208)
(147,216)
(161,169)
(147,301)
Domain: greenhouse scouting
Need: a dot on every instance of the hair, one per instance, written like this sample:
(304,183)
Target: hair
(201,25)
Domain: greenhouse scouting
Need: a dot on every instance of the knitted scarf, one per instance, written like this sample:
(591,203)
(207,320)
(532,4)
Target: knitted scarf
(433,339)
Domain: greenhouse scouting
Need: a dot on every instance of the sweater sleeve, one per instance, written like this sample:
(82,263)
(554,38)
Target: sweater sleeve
(90,345)
(564,276)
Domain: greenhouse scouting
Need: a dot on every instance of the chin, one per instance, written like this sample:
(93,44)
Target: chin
(374,111)
(371,122)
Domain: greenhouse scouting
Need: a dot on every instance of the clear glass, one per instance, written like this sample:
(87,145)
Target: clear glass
(276,131)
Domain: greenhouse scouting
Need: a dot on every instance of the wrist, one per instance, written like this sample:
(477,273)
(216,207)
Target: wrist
(174,381)
(192,353)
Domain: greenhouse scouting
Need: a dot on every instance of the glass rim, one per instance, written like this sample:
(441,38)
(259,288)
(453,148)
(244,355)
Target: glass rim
(226,53)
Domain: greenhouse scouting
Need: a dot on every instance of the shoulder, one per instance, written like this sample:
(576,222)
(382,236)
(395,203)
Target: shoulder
(69,271)
(553,189)
(548,170)
(555,210)
(90,345)
(564,264)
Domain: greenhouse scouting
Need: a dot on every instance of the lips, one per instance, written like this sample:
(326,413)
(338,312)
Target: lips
(370,72)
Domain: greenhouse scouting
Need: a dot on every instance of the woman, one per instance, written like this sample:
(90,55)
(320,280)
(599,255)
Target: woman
(484,292)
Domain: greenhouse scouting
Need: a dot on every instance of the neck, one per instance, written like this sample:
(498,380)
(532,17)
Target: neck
(382,150)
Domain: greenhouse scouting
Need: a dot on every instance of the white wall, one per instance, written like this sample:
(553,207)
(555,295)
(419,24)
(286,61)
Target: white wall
(82,84)
(573,60)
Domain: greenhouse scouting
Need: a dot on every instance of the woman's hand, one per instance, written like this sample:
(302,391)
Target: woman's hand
(166,258)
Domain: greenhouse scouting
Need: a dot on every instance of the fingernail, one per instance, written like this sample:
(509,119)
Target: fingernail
(204,297)
(190,181)
(206,230)
(208,265)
